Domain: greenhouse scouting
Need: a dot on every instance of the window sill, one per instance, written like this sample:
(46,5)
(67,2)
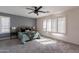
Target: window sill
(58,34)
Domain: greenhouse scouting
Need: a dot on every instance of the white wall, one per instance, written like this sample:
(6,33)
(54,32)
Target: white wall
(72,27)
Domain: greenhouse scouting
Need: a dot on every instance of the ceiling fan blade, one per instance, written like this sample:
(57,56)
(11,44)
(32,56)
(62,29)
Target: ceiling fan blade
(35,7)
(39,7)
(44,11)
(29,8)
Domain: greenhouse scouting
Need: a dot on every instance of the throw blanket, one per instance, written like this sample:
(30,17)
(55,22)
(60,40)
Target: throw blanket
(27,36)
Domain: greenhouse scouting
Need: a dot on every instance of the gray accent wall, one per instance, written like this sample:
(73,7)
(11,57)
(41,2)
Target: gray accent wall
(18,21)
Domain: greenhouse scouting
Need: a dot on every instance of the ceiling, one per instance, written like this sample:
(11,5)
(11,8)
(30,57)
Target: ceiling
(22,11)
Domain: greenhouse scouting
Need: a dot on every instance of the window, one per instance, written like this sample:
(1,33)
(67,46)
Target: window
(49,25)
(44,25)
(4,24)
(61,24)
(56,25)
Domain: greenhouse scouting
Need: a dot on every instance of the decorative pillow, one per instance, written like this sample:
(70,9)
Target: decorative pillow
(27,30)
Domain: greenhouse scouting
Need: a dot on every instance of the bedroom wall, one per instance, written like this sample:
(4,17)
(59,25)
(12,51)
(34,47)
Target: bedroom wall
(72,27)
(18,21)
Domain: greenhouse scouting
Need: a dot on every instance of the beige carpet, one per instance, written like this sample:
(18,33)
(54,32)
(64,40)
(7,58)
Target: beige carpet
(43,45)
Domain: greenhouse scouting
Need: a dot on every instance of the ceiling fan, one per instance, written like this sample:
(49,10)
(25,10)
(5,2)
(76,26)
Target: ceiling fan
(36,10)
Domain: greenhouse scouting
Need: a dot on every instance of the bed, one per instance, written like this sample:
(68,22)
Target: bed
(28,36)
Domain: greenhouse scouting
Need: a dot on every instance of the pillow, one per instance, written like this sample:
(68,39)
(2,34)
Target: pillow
(27,30)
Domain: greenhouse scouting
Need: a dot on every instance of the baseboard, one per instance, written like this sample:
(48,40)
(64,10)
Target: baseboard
(4,38)
(60,40)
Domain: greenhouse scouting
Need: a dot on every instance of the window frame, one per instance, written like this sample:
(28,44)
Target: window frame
(65,24)
(56,25)
(47,24)
(4,27)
